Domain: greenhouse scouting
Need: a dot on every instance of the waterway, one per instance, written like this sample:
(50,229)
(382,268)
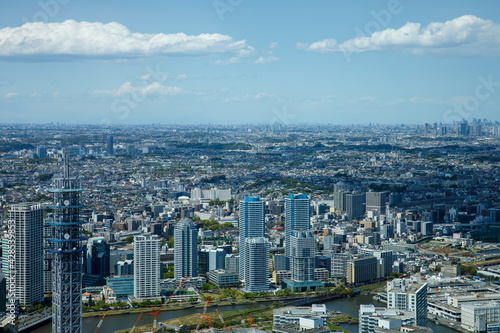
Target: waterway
(349,305)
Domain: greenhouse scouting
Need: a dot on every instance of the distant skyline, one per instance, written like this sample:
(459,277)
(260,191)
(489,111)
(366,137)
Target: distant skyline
(240,61)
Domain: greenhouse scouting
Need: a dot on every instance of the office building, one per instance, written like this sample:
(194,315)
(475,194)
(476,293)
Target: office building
(124,268)
(122,286)
(98,257)
(232,263)
(481,317)
(223,279)
(109,146)
(388,259)
(216,259)
(147,267)
(355,205)
(302,255)
(279,262)
(361,270)
(321,261)
(41,152)
(403,294)
(297,217)
(185,249)
(26,222)
(340,201)
(256,276)
(251,225)
(376,201)
(279,276)
(387,231)
(339,264)
(371,318)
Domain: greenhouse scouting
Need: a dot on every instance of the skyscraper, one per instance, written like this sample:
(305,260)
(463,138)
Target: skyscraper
(109,147)
(256,264)
(147,267)
(251,224)
(302,255)
(66,247)
(185,249)
(297,217)
(375,201)
(403,294)
(354,205)
(26,220)
(98,258)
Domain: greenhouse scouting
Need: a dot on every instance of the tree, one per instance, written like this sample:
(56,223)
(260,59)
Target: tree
(129,239)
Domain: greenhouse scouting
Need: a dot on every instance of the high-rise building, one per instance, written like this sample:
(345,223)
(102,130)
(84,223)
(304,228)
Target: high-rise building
(147,267)
(339,264)
(66,248)
(340,200)
(362,269)
(130,149)
(98,258)
(403,294)
(26,222)
(185,249)
(388,258)
(279,262)
(302,255)
(41,152)
(355,205)
(256,264)
(232,263)
(375,201)
(3,293)
(297,217)
(216,259)
(251,224)
(109,147)
(387,231)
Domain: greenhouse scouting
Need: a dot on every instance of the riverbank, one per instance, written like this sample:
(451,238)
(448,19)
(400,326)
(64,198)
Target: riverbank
(200,305)
(262,319)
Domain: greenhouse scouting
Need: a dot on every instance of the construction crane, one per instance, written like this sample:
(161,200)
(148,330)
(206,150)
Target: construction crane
(100,323)
(202,315)
(223,322)
(135,324)
(177,289)
(155,313)
(250,321)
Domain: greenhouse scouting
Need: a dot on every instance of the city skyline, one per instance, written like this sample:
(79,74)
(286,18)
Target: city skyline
(249,62)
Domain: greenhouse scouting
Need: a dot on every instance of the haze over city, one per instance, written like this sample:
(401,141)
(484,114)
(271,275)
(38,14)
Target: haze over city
(237,62)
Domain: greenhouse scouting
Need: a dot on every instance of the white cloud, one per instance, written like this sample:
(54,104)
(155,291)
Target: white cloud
(145,77)
(154,89)
(247,97)
(37,41)
(11,94)
(265,59)
(273,45)
(467,35)
(229,61)
(181,77)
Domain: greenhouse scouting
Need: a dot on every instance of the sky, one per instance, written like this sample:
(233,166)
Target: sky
(249,61)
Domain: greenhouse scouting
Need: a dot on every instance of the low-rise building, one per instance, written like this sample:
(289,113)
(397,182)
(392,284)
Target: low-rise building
(481,317)
(223,279)
(371,317)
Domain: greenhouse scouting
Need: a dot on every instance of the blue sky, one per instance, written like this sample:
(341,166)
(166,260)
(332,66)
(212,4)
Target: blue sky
(242,61)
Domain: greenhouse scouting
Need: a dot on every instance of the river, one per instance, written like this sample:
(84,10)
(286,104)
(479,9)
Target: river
(349,305)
